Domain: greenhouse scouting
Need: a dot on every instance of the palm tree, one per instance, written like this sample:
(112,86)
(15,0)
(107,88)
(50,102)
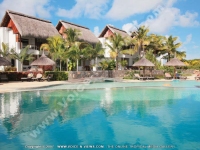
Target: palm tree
(140,39)
(22,56)
(157,44)
(116,46)
(75,52)
(5,51)
(71,37)
(171,46)
(55,45)
(94,53)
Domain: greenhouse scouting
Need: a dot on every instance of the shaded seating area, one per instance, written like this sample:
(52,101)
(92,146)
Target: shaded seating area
(3,77)
(168,75)
(28,78)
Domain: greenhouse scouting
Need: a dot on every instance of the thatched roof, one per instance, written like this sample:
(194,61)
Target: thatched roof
(43,61)
(4,62)
(144,63)
(114,30)
(175,62)
(29,26)
(86,34)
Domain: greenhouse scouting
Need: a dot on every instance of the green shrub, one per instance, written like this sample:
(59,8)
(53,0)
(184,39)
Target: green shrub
(58,75)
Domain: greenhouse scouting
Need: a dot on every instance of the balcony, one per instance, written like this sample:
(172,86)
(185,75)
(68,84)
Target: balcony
(35,50)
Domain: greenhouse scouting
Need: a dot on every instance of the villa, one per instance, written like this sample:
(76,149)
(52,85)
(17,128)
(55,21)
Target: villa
(85,36)
(20,30)
(103,37)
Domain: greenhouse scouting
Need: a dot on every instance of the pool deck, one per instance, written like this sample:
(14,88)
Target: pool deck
(23,86)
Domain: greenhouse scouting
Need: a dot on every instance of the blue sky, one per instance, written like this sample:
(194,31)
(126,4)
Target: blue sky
(165,17)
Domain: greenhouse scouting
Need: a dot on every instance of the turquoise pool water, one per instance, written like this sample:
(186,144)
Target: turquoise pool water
(148,115)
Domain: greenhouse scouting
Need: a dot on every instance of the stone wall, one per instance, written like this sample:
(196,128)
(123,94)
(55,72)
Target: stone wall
(114,73)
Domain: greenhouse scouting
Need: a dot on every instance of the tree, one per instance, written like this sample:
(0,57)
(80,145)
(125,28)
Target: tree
(171,46)
(94,53)
(157,44)
(22,56)
(71,37)
(55,45)
(140,39)
(116,46)
(75,52)
(5,51)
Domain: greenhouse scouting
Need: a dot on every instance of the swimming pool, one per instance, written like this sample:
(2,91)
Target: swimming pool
(103,116)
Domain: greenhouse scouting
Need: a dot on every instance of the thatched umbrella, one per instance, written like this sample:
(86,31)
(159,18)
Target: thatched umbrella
(43,61)
(143,62)
(175,63)
(4,62)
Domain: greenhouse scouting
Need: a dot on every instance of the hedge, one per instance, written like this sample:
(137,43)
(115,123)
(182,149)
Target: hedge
(58,75)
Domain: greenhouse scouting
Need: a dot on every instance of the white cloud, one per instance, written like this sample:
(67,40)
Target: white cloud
(188,39)
(122,9)
(96,31)
(165,18)
(188,19)
(90,8)
(130,26)
(39,8)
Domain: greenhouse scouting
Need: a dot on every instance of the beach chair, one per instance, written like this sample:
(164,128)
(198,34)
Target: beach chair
(28,78)
(48,78)
(197,77)
(38,77)
(150,78)
(137,76)
(168,75)
(3,77)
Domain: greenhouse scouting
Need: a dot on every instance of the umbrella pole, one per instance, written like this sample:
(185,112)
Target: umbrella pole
(174,72)
(143,71)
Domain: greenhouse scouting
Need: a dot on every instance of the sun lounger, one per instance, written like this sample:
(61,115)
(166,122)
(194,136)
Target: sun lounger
(3,77)
(28,78)
(150,78)
(197,77)
(38,77)
(168,76)
(137,76)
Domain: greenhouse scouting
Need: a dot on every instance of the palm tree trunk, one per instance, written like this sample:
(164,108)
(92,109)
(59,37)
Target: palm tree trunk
(60,65)
(67,64)
(77,65)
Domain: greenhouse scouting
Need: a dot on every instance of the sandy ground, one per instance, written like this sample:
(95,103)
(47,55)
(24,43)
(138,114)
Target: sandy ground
(21,86)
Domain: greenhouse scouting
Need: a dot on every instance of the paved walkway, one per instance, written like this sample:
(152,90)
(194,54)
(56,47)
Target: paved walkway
(18,85)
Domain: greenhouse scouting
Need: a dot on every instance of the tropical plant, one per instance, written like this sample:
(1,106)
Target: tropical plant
(5,51)
(171,46)
(124,63)
(71,36)
(94,53)
(56,48)
(116,46)
(140,39)
(157,44)
(22,55)
(76,51)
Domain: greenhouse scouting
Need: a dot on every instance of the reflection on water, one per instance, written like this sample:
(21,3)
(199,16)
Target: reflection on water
(146,116)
